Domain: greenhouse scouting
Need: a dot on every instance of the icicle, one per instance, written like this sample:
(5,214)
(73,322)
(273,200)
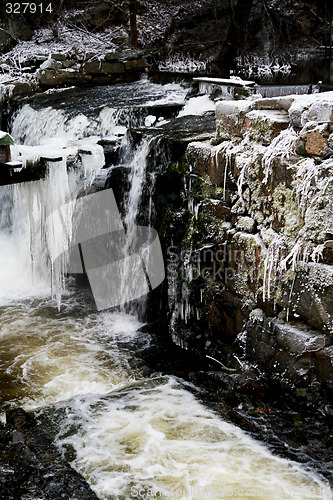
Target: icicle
(307,172)
(283,146)
(275,252)
(182,64)
(228,160)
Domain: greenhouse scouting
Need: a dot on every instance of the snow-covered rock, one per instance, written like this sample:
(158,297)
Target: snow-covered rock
(230,116)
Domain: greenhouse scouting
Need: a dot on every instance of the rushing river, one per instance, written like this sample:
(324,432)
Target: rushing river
(131,434)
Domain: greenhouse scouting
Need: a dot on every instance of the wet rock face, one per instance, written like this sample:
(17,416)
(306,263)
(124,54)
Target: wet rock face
(298,356)
(31,466)
(255,230)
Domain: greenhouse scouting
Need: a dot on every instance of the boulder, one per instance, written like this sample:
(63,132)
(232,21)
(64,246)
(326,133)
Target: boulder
(31,465)
(324,366)
(51,64)
(58,57)
(282,103)
(321,111)
(23,88)
(316,140)
(125,55)
(53,77)
(135,65)
(218,209)
(316,107)
(310,296)
(315,143)
(230,116)
(246,255)
(203,160)
(246,224)
(297,341)
(293,354)
(199,156)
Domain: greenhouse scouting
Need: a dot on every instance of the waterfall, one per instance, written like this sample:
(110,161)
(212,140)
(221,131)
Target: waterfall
(138,166)
(32,126)
(31,238)
(47,211)
(127,431)
(138,273)
(21,272)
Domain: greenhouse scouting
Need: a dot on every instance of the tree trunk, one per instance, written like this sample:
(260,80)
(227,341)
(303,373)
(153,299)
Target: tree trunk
(133,24)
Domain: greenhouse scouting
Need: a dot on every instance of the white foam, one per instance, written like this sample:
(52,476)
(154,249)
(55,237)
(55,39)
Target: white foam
(28,242)
(156,437)
(197,106)
(51,358)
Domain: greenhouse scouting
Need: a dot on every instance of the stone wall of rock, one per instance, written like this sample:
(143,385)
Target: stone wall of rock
(62,70)
(250,250)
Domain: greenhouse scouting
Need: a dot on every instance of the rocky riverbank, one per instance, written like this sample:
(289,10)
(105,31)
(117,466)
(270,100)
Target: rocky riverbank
(32,467)
(257,39)
(248,241)
(243,204)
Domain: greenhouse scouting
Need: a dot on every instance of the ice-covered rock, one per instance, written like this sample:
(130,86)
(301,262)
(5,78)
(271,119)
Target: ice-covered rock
(230,116)
(282,103)
(246,224)
(264,125)
(51,64)
(150,120)
(314,107)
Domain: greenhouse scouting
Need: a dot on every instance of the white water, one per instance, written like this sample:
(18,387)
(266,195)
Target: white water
(30,239)
(153,436)
(31,126)
(99,112)
(197,106)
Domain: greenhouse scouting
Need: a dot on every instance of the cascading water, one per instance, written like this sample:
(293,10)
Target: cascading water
(31,238)
(138,165)
(130,436)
